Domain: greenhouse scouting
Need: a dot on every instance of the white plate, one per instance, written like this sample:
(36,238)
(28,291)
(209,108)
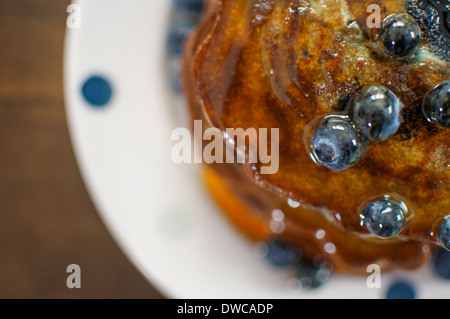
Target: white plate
(159,212)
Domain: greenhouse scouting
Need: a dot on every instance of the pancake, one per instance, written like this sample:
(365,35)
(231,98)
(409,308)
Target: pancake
(290,65)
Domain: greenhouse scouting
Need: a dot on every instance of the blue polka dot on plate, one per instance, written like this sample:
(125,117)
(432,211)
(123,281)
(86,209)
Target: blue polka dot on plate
(401,290)
(97,91)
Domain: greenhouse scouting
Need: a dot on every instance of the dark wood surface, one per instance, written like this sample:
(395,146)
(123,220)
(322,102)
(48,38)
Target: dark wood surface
(47,220)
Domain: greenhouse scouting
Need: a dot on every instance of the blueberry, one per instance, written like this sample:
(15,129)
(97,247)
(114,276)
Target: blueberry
(399,35)
(436,105)
(384,218)
(444,233)
(447,20)
(177,34)
(442,264)
(189,5)
(401,290)
(336,145)
(175,80)
(376,112)
(281,254)
(313,275)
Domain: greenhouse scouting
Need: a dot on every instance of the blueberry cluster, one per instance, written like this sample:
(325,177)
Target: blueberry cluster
(310,273)
(400,36)
(340,141)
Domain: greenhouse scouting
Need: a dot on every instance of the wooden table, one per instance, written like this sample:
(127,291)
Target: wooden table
(47,220)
